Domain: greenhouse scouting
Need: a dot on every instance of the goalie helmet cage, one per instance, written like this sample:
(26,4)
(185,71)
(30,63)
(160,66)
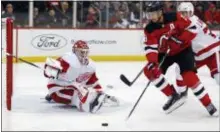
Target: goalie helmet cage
(7,26)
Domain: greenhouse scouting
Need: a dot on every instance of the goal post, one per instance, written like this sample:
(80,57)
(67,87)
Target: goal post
(7,46)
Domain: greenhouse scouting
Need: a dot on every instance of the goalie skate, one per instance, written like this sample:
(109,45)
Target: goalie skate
(111,101)
(48,98)
(97,103)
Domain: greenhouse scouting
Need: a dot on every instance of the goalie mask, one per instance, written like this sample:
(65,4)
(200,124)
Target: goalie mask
(81,49)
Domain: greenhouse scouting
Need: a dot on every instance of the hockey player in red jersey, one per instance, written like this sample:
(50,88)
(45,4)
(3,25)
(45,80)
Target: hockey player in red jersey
(73,81)
(159,37)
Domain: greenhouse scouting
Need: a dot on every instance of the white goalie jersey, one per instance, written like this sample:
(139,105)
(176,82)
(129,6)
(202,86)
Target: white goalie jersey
(72,72)
(73,81)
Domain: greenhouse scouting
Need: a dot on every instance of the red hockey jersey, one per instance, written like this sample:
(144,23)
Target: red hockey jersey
(155,31)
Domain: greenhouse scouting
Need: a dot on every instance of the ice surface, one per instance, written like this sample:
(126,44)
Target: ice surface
(31,112)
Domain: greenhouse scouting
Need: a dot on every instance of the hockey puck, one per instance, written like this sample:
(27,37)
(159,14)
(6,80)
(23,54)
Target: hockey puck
(104,124)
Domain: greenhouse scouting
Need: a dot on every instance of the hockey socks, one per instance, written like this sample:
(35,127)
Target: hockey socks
(192,81)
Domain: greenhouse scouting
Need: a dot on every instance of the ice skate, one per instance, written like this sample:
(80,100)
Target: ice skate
(97,103)
(184,94)
(174,102)
(48,98)
(212,110)
(111,101)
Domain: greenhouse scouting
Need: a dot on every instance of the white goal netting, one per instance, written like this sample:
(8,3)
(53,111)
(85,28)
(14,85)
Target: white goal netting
(3,60)
(3,43)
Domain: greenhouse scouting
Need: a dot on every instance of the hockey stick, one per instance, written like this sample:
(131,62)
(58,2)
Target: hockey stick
(27,62)
(129,83)
(132,110)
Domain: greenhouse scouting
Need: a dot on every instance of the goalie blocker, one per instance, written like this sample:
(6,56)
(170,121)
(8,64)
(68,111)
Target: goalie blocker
(84,90)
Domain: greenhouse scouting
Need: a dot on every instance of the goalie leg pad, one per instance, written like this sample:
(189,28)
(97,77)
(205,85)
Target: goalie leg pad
(217,78)
(63,96)
(92,103)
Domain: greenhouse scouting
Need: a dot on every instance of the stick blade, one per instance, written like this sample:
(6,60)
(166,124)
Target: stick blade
(125,80)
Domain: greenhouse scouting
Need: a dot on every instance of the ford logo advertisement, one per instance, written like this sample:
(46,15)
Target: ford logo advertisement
(49,42)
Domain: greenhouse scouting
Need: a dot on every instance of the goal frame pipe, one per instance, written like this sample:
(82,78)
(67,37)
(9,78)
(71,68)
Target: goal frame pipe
(9,62)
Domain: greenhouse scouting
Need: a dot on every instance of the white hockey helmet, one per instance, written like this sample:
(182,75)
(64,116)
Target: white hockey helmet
(186,7)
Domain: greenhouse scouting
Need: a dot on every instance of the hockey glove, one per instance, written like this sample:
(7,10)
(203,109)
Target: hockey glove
(152,71)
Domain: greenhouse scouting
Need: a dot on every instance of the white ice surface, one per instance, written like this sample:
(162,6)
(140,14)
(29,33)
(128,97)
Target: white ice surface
(31,112)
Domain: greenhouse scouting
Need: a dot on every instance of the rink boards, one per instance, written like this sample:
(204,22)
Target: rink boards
(106,45)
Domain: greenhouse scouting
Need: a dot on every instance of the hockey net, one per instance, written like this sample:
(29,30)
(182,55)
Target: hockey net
(7,60)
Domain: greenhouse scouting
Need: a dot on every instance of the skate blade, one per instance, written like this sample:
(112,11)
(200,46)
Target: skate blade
(216,114)
(109,103)
(176,106)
